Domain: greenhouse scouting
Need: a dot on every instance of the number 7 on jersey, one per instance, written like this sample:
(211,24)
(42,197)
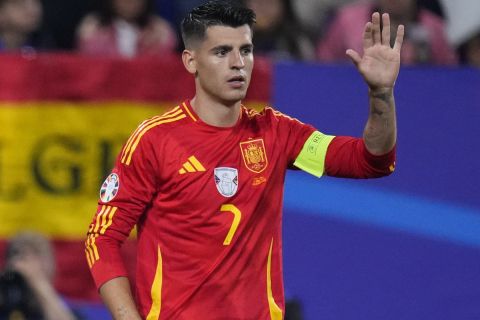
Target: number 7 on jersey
(237,215)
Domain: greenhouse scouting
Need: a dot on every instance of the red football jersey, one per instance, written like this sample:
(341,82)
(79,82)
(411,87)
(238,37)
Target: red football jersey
(207,205)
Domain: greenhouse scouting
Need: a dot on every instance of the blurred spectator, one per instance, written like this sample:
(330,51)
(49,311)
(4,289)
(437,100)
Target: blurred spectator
(293,309)
(20,22)
(463,28)
(26,284)
(315,14)
(175,11)
(277,31)
(432,5)
(469,51)
(125,28)
(62,18)
(425,38)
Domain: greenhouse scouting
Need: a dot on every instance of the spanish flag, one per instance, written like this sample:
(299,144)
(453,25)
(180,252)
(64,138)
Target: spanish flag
(63,121)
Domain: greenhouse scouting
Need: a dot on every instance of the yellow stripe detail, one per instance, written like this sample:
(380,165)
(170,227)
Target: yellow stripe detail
(275,311)
(99,216)
(171,112)
(110,220)
(188,111)
(95,250)
(189,167)
(132,150)
(174,112)
(392,167)
(196,163)
(90,264)
(156,290)
(134,134)
(90,249)
(312,157)
(277,113)
(104,217)
(182,171)
(90,252)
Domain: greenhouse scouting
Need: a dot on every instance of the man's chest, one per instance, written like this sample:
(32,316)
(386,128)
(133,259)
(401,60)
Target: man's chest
(219,185)
(201,167)
(220,165)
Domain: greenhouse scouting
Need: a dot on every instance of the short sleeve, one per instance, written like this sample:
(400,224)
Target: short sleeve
(292,134)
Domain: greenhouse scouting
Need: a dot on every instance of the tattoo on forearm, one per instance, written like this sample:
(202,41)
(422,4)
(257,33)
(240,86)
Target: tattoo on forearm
(122,313)
(384,96)
(381,102)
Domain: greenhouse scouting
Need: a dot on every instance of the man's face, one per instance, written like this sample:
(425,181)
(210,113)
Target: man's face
(223,63)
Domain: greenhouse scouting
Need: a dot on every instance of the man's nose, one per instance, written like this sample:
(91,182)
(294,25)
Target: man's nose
(237,60)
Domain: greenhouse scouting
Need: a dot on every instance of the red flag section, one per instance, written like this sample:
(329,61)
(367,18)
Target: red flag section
(63,119)
(79,78)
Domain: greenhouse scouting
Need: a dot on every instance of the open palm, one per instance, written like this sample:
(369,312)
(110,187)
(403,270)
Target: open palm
(380,63)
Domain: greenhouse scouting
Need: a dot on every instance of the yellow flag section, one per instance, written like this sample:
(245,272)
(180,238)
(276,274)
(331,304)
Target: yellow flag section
(54,157)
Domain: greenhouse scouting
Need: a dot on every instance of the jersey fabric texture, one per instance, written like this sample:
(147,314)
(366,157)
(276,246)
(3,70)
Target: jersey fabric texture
(207,205)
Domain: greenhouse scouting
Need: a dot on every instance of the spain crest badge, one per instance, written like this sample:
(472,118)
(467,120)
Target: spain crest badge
(254,155)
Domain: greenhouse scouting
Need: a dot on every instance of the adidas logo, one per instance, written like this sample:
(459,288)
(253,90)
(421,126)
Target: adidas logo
(192,165)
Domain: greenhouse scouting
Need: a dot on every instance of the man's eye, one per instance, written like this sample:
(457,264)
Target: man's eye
(221,53)
(247,51)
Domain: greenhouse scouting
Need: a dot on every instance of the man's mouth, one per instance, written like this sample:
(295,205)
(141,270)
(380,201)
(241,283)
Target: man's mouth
(237,78)
(237,81)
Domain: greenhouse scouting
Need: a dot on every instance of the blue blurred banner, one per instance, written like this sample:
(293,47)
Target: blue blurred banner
(402,247)
(438,122)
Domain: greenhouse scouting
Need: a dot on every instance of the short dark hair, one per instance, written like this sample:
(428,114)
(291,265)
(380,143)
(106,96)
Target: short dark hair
(229,13)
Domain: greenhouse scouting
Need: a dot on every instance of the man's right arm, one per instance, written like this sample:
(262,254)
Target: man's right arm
(117,296)
(124,197)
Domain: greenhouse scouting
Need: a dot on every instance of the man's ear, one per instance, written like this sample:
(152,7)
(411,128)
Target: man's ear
(188,58)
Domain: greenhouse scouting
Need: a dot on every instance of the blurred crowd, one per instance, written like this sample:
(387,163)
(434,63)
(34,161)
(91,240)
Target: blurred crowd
(307,30)
(286,29)
(27,281)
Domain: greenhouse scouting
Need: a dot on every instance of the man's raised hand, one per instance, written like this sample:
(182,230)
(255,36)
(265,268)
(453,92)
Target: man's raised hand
(380,63)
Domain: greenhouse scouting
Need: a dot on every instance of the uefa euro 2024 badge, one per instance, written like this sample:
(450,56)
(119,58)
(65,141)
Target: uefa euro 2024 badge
(226,180)
(110,187)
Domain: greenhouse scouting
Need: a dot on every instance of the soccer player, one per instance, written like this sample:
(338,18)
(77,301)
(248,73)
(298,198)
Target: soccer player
(203,183)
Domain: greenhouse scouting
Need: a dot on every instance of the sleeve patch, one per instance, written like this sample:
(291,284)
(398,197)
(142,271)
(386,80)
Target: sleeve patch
(110,188)
(312,157)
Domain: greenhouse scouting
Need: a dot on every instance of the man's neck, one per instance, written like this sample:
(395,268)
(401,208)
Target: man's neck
(216,113)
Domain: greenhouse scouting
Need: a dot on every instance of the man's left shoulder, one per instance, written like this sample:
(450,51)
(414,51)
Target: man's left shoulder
(261,111)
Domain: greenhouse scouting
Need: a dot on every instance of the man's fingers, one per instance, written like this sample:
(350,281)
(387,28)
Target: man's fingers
(399,38)
(386,29)
(377,39)
(368,36)
(352,54)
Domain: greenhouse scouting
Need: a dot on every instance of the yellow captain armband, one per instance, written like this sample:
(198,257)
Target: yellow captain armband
(312,157)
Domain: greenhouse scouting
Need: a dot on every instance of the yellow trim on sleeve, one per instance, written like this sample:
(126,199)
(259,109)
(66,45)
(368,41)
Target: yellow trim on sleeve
(110,220)
(312,157)
(87,254)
